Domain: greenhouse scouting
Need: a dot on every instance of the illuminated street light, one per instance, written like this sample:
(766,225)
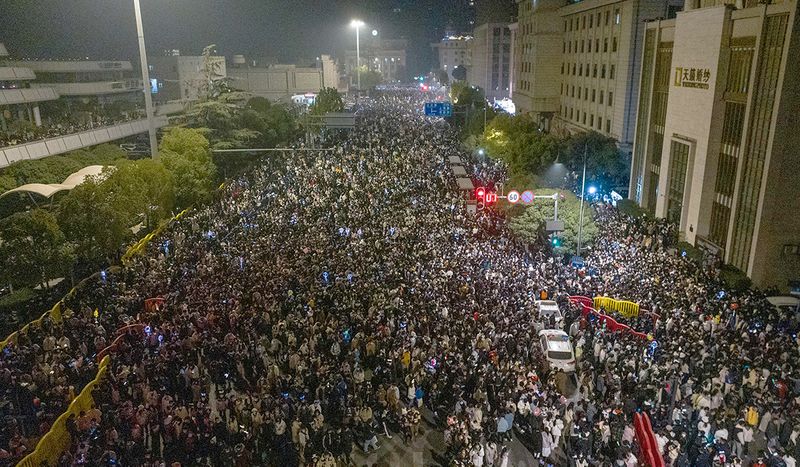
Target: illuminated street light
(358,24)
(481,152)
(592,190)
(375,32)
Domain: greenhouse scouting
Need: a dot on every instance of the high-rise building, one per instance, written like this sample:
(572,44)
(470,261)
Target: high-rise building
(492,60)
(717,132)
(579,62)
(538,57)
(453,51)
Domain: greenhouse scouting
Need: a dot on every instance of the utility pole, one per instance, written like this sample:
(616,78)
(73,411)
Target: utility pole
(583,194)
(148,98)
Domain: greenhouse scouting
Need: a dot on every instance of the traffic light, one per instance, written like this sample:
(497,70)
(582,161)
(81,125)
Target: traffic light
(480,192)
(556,241)
(491,198)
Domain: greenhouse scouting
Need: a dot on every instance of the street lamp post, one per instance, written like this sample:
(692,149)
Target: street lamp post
(356,23)
(148,99)
(583,194)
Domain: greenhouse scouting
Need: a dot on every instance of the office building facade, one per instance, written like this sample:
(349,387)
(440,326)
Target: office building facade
(492,60)
(281,82)
(386,56)
(453,51)
(19,100)
(105,81)
(717,132)
(579,63)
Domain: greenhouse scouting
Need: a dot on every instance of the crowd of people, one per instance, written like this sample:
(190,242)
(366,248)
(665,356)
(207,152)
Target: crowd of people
(60,126)
(331,300)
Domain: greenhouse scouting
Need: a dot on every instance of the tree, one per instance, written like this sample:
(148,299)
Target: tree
(328,100)
(89,220)
(143,190)
(33,249)
(187,155)
(517,141)
(460,73)
(605,163)
(369,78)
(530,225)
(443,77)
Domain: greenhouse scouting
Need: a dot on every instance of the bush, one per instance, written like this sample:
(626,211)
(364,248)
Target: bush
(735,278)
(692,252)
(631,208)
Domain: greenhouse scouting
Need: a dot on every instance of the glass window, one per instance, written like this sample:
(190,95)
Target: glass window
(614,44)
(610,97)
(616,16)
(679,160)
(611,72)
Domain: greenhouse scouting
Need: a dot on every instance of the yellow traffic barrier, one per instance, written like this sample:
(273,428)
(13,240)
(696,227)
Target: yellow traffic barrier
(57,441)
(623,307)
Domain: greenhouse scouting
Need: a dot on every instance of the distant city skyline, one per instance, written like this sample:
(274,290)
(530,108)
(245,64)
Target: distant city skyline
(281,30)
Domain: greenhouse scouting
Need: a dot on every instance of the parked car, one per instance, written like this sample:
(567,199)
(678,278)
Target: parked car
(557,350)
(548,308)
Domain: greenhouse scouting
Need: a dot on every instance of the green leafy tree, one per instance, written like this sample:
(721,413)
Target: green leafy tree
(187,155)
(33,249)
(328,100)
(604,161)
(369,78)
(443,77)
(90,219)
(143,190)
(530,225)
(460,73)
(517,141)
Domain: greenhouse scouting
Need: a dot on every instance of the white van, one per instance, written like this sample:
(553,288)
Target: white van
(557,350)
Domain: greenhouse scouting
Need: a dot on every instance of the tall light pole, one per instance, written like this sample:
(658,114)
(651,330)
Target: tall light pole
(583,194)
(357,23)
(148,99)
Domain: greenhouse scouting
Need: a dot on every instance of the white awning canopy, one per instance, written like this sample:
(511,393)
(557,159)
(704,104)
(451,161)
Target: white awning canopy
(48,190)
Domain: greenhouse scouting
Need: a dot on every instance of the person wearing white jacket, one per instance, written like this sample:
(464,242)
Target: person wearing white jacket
(547,443)
(490,454)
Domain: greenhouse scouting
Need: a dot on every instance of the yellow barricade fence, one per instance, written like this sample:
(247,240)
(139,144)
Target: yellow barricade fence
(138,247)
(57,440)
(55,313)
(623,307)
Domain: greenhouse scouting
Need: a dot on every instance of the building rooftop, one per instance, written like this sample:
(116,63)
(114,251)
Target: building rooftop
(75,66)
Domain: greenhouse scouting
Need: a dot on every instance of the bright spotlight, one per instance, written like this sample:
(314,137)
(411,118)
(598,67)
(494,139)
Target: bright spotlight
(356,23)
(374,32)
(481,151)
(592,190)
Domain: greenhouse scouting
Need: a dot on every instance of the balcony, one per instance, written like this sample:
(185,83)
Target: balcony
(13,73)
(26,95)
(61,144)
(95,88)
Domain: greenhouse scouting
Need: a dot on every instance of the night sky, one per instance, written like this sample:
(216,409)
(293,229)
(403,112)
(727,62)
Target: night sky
(284,31)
